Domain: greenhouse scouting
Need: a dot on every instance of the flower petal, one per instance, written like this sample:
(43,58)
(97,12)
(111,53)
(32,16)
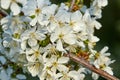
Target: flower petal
(34,21)
(62,68)
(63,60)
(34,69)
(2,59)
(59,45)
(32,42)
(15,8)
(53,38)
(70,39)
(5,4)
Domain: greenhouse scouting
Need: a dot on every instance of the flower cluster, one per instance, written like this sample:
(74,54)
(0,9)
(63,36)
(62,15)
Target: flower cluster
(36,34)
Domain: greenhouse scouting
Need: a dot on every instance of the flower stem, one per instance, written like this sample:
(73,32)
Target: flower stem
(91,67)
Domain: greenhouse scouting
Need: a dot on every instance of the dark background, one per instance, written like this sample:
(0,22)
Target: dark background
(109,34)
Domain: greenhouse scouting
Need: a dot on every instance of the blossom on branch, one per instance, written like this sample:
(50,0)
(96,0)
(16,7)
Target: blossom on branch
(37,35)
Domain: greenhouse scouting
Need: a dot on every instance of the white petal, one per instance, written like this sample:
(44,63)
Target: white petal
(40,36)
(109,70)
(32,42)
(34,21)
(23,45)
(63,60)
(102,3)
(62,68)
(15,8)
(86,16)
(5,4)
(2,59)
(76,16)
(53,37)
(35,48)
(9,71)
(97,24)
(21,76)
(58,75)
(75,75)
(79,26)
(4,20)
(42,3)
(81,44)
(59,45)
(63,16)
(49,9)
(22,1)
(95,76)
(93,38)
(104,50)
(82,70)
(34,69)
(70,39)
(3,75)
(28,9)
(52,27)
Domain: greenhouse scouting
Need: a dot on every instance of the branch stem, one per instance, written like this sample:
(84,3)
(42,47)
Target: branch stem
(3,13)
(91,67)
(72,4)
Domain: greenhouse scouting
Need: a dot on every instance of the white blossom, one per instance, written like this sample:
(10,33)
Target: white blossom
(32,35)
(38,9)
(75,21)
(37,40)
(57,63)
(103,61)
(13,4)
(35,68)
(34,54)
(63,34)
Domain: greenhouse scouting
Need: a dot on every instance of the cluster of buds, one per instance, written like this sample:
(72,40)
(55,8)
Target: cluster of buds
(36,36)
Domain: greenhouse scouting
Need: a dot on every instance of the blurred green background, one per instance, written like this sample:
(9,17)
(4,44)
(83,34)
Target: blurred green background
(109,34)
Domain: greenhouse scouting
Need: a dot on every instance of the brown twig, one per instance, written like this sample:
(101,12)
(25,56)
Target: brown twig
(91,67)
(72,4)
(3,13)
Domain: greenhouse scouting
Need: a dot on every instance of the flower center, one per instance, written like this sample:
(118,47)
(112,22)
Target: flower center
(61,24)
(37,54)
(55,64)
(32,35)
(61,36)
(71,23)
(37,11)
(102,66)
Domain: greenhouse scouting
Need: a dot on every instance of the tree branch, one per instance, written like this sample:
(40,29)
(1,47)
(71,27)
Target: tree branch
(3,13)
(91,67)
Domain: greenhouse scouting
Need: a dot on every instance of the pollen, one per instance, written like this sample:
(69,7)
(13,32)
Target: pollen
(102,66)
(61,23)
(32,35)
(37,11)
(71,23)
(55,63)
(61,36)
(96,55)
(37,53)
